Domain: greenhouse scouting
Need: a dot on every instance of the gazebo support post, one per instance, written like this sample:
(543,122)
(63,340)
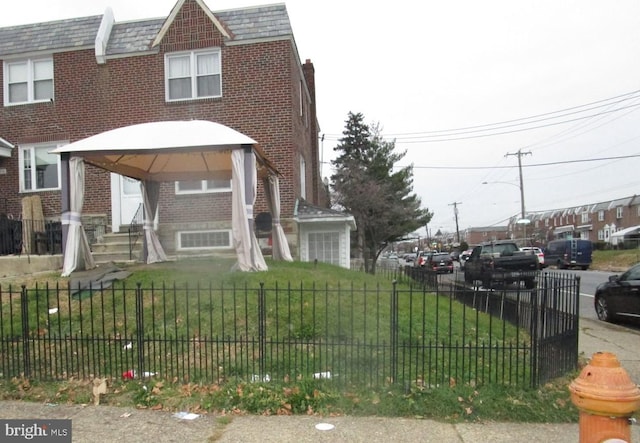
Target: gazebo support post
(65,202)
(249,171)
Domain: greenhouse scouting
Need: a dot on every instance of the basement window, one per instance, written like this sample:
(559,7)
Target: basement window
(197,240)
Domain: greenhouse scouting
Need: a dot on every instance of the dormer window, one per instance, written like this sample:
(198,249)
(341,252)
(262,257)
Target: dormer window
(193,75)
(28,81)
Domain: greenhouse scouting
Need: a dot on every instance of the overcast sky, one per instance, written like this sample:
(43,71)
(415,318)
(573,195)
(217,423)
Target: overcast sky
(460,85)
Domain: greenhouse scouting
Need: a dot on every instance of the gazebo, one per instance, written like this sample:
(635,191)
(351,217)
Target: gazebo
(171,151)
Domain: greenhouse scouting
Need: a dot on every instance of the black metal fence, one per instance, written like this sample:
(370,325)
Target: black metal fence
(40,237)
(37,237)
(428,333)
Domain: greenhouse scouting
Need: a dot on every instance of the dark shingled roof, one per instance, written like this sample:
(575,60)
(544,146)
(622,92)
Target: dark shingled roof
(260,22)
(269,21)
(50,36)
(132,37)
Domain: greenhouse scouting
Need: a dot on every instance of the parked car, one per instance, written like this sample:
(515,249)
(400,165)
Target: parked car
(455,255)
(569,253)
(501,262)
(409,258)
(464,256)
(440,262)
(537,251)
(421,259)
(619,297)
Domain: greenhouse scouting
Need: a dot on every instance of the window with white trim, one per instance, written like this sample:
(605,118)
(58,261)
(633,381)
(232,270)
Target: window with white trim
(193,75)
(40,170)
(28,81)
(203,186)
(325,247)
(600,234)
(619,212)
(193,240)
(584,217)
(601,215)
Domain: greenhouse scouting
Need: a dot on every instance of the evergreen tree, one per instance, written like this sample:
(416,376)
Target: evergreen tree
(365,184)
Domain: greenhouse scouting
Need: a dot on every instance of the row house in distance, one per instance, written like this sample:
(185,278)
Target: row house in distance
(477,235)
(70,79)
(611,223)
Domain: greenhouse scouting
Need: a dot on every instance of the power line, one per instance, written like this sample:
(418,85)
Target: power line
(534,165)
(512,131)
(451,134)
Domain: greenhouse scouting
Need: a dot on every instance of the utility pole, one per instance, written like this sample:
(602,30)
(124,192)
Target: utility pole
(520,154)
(522,210)
(455,212)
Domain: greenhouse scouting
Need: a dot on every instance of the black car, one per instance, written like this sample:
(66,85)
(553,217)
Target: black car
(619,297)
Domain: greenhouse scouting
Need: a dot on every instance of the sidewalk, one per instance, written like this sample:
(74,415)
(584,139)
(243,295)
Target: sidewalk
(113,424)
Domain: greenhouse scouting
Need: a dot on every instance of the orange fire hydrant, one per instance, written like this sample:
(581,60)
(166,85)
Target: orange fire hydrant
(606,398)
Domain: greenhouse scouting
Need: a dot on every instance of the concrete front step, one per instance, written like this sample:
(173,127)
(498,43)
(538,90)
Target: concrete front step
(114,247)
(118,237)
(112,257)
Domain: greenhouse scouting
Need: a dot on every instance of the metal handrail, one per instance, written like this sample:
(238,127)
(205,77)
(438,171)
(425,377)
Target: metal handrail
(135,229)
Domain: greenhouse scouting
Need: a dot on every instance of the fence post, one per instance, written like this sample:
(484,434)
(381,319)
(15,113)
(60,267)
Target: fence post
(140,329)
(394,332)
(576,319)
(262,332)
(24,308)
(535,306)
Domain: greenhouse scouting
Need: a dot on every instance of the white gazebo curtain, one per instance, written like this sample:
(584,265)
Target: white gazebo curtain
(280,246)
(153,250)
(77,254)
(244,240)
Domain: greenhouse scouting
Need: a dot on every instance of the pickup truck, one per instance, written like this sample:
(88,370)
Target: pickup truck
(501,261)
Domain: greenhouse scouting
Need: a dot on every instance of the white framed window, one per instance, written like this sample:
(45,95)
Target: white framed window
(28,81)
(619,212)
(203,186)
(39,170)
(584,217)
(600,234)
(193,75)
(303,178)
(196,240)
(325,247)
(601,215)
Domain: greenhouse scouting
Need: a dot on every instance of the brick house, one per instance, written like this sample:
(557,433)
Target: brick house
(70,79)
(597,222)
(476,235)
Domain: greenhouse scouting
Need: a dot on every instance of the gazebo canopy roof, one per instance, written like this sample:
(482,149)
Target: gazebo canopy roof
(166,150)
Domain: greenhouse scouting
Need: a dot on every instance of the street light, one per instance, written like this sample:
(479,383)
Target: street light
(523,220)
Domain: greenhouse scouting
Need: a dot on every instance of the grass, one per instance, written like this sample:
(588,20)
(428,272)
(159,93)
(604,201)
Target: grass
(615,260)
(548,404)
(208,318)
(301,395)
